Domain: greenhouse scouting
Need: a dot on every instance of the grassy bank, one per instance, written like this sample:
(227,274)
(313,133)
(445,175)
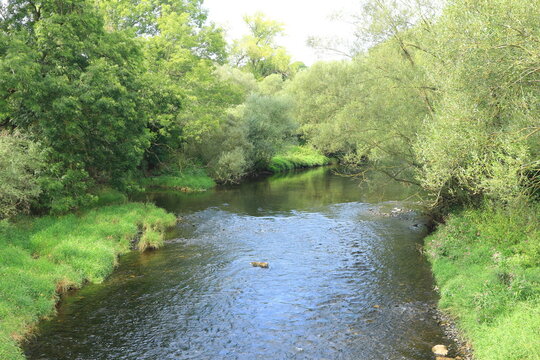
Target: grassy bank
(297,157)
(41,257)
(189,180)
(487,266)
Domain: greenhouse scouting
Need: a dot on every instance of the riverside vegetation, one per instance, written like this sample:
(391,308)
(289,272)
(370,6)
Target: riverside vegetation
(486,265)
(124,94)
(43,257)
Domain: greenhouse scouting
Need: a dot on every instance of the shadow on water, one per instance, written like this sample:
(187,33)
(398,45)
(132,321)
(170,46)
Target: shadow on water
(346,280)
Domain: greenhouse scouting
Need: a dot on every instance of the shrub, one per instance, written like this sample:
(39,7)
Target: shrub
(231,166)
(21,163)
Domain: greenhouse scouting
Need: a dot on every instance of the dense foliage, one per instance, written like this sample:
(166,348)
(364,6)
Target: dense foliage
(440,94)
(107,92)
(446,101)
(112,91)
(21,161)
(77,93)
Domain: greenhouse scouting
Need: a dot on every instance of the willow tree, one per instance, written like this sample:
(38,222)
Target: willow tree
(258,51)
(369,109)
(483,139)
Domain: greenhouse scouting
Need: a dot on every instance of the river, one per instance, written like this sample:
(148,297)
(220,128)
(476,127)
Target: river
(345,280)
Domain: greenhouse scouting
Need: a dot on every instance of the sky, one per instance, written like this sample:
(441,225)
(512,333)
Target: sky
(302,18)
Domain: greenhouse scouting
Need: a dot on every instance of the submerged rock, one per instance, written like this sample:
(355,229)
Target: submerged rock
(260,264)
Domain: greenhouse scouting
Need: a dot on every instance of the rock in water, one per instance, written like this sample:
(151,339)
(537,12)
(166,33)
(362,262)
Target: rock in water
(260,264)
(440,350)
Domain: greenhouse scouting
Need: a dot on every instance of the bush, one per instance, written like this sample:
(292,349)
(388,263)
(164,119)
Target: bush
(270,126)
(231,166)
(21,163)
(247,138)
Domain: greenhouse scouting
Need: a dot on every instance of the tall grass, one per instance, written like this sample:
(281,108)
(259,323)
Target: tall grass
(191,179)
(297,157)
(39,258)
(487,266)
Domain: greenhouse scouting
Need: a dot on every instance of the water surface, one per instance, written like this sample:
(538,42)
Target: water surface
(346,280)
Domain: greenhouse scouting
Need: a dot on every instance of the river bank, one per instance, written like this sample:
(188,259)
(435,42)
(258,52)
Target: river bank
(486,263)
(41,258)
(196,179)
(189,180)
(297,157)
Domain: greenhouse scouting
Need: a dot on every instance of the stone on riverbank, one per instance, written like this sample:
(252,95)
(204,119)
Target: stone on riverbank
(440,350)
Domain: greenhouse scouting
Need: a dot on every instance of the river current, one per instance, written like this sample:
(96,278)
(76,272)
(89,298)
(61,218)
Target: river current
(346,280)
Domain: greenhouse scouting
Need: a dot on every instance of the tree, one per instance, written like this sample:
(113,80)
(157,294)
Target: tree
(365,109)
(369,110)
(319,94)
(270,126)
(378,21)
(258,52)
(483,138)
(81,98)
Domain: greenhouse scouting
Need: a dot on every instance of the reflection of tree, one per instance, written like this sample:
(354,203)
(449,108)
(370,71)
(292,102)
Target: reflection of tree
(293,191)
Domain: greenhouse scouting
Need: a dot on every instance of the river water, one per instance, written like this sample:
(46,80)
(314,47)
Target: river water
(346,280)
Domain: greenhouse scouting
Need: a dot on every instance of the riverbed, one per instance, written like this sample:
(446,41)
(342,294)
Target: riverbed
(346,279)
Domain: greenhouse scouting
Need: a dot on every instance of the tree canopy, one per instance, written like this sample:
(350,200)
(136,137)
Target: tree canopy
(258,51)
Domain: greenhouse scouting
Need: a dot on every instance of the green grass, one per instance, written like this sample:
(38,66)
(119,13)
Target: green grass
(194,179)
(108,196)
(487,266)
(41,257)
(297,157)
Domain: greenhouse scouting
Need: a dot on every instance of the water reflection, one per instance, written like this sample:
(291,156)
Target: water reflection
(295,191)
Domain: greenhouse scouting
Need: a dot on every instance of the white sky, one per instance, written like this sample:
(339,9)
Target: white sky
(302,18)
